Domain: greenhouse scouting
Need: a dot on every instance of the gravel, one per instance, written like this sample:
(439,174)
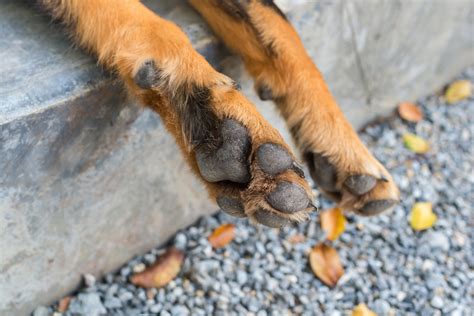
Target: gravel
(388,266)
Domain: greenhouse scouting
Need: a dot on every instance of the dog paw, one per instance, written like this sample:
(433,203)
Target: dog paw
(360,184)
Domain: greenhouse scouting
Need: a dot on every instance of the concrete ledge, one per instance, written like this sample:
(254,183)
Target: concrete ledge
(88,179)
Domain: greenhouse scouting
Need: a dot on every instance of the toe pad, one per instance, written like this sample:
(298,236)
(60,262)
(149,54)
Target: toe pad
(269,219)
(376,207)
(230,205)
(360,184)
(273,159)
(288,198)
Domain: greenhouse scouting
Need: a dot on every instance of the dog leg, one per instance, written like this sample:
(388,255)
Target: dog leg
(273,54)
(242,159)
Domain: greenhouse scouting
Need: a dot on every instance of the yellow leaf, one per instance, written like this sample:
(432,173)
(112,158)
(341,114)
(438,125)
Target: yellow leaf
(222,235)
(165,269)
(422,216)
(326,265)
(410,112)
(362,310)
(333,223)
(415,143)
(458,91)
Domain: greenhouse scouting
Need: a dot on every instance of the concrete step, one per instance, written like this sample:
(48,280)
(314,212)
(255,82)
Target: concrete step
(88,179)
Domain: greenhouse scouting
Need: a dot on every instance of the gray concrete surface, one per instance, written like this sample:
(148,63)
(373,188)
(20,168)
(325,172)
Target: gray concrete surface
(88,179)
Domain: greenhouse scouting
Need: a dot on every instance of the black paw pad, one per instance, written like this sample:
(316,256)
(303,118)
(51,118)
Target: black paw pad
(264,93)
(147,76)
(230,205)
(288,198)
(230,161)
(360,184)
(322,171)
(273,159)
(269,219)
(376,207)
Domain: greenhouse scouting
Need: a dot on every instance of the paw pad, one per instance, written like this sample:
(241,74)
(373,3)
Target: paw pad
(376,207)
(230,161)
(323,172)
(360,184)
(269,219)
(231,206)
(288,198)
(147,76)
(273,159)
(264,93)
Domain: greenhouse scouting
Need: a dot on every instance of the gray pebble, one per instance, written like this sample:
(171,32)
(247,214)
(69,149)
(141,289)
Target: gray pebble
(437,240)
(41,311)
(112,302)
(437,302)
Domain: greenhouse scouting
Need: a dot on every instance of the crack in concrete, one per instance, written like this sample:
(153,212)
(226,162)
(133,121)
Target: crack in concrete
(359,64)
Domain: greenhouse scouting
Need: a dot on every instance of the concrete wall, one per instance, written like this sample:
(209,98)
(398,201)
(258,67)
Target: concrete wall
(88,179)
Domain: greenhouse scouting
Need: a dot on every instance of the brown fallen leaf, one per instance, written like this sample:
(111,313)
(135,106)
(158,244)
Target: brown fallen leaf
(410,112)
(415,143)
(422,216)
(165,269)
(222,235)
(333,223)
(326,265)
(362,310)
(296,239)
(64,304)
(458,91)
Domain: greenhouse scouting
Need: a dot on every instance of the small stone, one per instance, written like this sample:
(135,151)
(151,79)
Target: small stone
(140,267)
(41,311)
(89,280)
(381,307)
(437,302)
(437,240)
(125,296)
(427,265)
(112,302)
(155,308)
(241,277)
(179,311)
(87,304)
(180,241)
(125,271)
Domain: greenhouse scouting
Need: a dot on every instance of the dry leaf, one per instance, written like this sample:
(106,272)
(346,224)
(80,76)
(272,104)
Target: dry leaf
(362,310)
(415,143)
(458,91)
(64,304)
(296,238)
(422,216)
(165,269)
(410,112)
(326,265)
(333,223)
(222,235)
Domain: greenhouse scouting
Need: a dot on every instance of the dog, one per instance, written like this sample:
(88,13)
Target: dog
(243,161)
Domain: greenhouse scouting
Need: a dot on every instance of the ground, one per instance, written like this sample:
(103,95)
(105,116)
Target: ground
(390,267)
